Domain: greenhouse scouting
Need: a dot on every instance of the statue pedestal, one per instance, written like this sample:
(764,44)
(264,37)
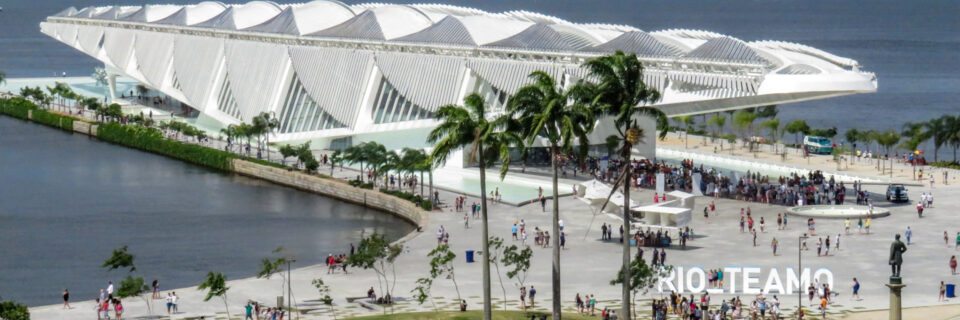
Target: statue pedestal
(895,285)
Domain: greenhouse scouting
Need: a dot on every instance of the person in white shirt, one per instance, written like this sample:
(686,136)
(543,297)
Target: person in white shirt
(109,288)
(560,224)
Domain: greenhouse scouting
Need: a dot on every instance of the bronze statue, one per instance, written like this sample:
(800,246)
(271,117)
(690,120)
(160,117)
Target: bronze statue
(897,248)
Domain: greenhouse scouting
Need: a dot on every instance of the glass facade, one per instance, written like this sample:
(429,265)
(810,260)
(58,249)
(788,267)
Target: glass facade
(391,106)
(300,113)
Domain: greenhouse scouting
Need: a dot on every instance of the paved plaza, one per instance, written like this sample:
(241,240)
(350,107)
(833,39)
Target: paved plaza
(588,264)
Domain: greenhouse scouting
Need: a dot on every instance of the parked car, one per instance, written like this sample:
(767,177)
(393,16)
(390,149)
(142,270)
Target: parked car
(817,144)
(897,193)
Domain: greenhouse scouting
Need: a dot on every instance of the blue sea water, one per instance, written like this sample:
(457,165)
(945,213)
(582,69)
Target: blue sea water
(912,45)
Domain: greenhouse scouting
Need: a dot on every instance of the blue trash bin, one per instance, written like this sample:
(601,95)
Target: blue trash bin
(951,291)
(469,256)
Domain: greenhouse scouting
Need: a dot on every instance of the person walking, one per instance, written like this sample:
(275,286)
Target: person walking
(156,289)
(774,245)
(856,290)
(908,233)
(66,299)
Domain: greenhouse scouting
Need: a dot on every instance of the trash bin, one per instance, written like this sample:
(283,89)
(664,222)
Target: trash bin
(469,256)
(951,291)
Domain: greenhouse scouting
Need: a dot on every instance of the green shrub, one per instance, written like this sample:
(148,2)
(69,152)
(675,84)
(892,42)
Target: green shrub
(53,120)
(946,164)
(152,140)
(17,107)
(427,205)
(11,310)
(67,124)
(360,184)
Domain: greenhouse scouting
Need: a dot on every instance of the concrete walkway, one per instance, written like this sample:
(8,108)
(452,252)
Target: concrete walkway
(588,264)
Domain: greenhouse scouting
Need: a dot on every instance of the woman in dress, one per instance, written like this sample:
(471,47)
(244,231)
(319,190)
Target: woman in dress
(66,299)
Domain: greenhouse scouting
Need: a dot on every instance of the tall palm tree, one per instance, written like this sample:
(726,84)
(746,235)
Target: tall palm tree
(937,130)
(952,136)
(467,127)
(773,126)
(744,121)
(268,123)
(619,91)
(718,121)
(546,111)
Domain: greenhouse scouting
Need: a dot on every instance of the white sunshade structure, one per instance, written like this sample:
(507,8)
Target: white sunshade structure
(340,74)
(595,193)
(674,213)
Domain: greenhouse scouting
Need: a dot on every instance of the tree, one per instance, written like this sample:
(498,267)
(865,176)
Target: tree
(335,158)
(888,139)
(496,246)
(129,287)
(441,264)
(619,91)
(612,142)
(324,291)
(545,111)
(135,287)
(99,76)
(216,286)
(686,121)
(744,121)
(718,121)
(938,130)
(11,310)
(269,267)
(829,132)
(952,136)
(773,126)
(642,276)
(463,127)
(797,127)
(119,259)
(287,151)
(267,123)
(376,253)
(852,135)
(517,261)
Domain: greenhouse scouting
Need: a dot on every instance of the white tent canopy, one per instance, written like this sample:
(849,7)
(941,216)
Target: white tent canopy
(595,193)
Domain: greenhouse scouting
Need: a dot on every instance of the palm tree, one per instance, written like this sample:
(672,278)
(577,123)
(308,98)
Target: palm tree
(686,121)
(546,111)
(744,121)
(938,130)
(952,136)
(773,126)
(231,132)
(797,127)
(356,154)
(467,127)
(620,92)
(718,121)
(268,123)
(415,160)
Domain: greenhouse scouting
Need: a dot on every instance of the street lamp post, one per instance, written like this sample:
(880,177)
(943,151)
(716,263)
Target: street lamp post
(802,238)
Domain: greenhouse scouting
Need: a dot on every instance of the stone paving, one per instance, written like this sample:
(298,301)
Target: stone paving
(589,263)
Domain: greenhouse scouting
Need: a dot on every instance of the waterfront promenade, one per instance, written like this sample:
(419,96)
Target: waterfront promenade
(588,263)
(717,244)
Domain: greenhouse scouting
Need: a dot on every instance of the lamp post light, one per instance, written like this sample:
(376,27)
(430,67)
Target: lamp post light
(802,238)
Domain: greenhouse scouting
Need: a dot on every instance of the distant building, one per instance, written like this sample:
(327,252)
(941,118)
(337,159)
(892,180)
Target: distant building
(338,74)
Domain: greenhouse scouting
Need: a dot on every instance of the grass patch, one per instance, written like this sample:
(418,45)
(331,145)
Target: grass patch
(469,315)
